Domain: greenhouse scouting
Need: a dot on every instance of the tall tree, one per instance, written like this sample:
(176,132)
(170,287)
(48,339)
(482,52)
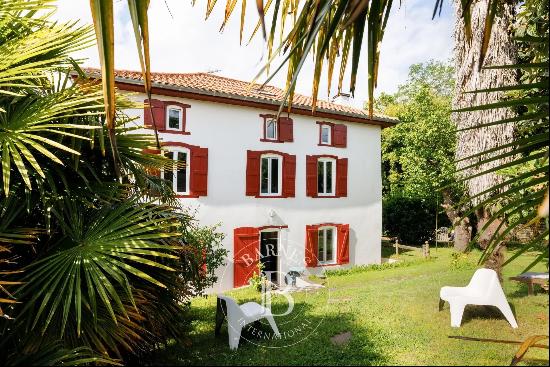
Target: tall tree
(418,154)
(470,75)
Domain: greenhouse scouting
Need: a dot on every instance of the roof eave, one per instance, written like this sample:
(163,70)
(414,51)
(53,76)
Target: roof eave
(376,120)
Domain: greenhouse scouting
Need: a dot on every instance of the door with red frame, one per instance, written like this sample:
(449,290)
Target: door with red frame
(246,246)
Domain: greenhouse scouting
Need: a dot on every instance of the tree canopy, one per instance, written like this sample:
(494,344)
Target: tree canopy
(418,153)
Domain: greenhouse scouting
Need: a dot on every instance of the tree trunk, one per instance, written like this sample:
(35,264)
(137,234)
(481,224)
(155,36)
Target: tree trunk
(462,228)
(468,78)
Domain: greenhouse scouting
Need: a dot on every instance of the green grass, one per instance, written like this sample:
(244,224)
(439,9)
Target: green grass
(391,312)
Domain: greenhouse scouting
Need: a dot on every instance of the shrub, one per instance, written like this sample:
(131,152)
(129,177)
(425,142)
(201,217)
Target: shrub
(411,219)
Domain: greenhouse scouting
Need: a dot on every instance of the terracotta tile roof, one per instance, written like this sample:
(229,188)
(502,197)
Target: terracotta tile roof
(211,84)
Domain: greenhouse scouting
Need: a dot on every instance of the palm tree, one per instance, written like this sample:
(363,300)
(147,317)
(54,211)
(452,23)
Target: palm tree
(92,269)
(470,76)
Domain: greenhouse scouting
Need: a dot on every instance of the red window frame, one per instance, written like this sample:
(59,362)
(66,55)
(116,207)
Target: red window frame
(161,115)
(284,129)
(340,179)
(253,174)
(312,245)
(335,143)
(196,187)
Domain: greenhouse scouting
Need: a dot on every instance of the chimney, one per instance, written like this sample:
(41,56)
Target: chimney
(342,98)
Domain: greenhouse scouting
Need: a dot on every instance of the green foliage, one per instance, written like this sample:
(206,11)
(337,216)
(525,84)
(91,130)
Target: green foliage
(258,279)
(418,153)
(462,260)
(93,269)
(373,267)
(411,219)
(525,159)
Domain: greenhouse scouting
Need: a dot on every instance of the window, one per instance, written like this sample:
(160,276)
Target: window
(178,175)
(326,134)
(270,175)
(326,245)
(325,176)
(174,118)
(271,129)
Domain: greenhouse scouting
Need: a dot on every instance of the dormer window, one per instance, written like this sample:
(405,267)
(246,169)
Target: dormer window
(271,129)
(174,118)
(326,134)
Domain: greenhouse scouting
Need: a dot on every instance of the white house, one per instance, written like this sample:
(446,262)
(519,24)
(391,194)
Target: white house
(300,192)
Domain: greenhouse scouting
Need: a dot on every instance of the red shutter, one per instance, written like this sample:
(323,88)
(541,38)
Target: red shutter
(252,173)
(289,175)
(285,129)
(312,246)
(159,112)
(343,244)
(199,171)
(153,171)
(340,135)
(246,248)
(311,176)
(342,177)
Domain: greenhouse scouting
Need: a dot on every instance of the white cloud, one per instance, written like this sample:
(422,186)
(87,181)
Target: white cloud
(182,41)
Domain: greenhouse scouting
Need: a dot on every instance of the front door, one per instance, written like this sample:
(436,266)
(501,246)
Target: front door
(269,248)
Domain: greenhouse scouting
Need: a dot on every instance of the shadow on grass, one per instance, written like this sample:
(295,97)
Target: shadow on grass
(306,334)
(474,312)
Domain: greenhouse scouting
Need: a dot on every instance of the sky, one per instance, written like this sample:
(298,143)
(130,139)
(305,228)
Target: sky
(182,41)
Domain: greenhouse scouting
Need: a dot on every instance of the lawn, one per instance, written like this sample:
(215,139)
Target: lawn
(392,314)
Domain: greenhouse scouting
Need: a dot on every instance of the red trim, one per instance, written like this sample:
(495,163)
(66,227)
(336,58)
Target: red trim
(279,139)
(240,102)
(178,144)
(326,156)
(192,173)
(184,108)
(170,131)
(271,227)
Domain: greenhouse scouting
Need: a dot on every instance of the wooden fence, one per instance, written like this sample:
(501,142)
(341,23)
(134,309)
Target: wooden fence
(394,242)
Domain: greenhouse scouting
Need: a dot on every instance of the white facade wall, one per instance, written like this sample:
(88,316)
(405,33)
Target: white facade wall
(228,131)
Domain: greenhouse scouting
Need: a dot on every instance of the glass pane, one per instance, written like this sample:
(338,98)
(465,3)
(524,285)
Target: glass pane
(321,245)
(181,178)
(324,134)
(320,177)
(330,244)
(274,175)
(329,177)
(264,176)
(271,129)
(168,171)
(174,118)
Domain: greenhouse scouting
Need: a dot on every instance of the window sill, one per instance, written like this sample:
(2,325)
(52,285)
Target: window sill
(188,196)
(325,196)
(325,145)
(271,141)
(270,197)
(170,131)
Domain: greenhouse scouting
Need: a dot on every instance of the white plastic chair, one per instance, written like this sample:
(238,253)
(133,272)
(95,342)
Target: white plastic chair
(484,289)
(240,316)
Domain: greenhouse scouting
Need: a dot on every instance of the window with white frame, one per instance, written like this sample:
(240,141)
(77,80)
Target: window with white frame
(326,245)
(326,173)
(178,174)
(326,134)
(271,128)
(270,175)
(174,118)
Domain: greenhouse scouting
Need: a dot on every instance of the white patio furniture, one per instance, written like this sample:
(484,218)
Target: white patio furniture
(484,289)
(240,316)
